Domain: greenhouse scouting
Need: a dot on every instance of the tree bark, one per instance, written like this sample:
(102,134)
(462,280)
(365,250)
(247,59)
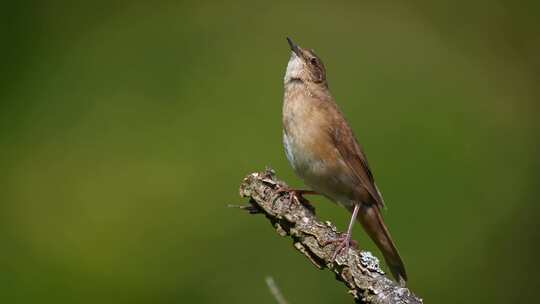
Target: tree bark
(359,270)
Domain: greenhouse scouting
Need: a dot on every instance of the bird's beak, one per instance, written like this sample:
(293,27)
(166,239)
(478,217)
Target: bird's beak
(294,47)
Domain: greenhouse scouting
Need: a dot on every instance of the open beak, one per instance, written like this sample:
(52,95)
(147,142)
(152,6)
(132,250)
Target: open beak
(294,47)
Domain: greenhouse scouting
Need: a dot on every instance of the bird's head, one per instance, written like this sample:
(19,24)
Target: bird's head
(304,66)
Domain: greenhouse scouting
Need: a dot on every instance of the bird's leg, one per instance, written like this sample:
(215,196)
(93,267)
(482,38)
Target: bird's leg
(345,241)
(298,195)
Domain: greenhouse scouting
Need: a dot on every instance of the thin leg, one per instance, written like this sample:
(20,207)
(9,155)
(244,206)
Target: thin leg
(297,195)
(353,219)
(346,242)
(309,192)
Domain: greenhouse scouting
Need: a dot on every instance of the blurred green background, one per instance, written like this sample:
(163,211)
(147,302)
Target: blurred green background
(126,128)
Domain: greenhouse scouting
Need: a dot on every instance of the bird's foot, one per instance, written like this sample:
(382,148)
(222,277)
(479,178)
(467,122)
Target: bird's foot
(344,241)
(297,195)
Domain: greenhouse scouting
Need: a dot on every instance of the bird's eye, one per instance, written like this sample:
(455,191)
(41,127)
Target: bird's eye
(313,60)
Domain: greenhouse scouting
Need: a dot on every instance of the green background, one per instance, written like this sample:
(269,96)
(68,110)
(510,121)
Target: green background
(126,128)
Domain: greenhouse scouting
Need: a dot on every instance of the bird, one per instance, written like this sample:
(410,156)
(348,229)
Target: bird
(323,151)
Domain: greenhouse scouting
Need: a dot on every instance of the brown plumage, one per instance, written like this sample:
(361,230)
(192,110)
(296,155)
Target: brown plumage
(324,152)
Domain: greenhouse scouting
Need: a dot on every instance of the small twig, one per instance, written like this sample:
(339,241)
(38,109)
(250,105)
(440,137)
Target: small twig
(252,209)
(275,290)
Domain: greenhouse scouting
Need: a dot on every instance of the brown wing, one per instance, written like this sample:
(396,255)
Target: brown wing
(351,152)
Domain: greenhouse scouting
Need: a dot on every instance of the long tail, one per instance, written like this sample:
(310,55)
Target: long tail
(372,221)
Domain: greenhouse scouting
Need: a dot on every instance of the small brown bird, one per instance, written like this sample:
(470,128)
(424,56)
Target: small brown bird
(322,149)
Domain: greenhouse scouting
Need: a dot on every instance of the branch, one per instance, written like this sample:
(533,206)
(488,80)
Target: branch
(359,270)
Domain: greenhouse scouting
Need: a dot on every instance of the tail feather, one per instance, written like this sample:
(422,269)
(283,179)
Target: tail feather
(371,219)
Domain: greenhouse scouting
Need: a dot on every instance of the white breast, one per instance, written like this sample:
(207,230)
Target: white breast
(289,150)
(305,164)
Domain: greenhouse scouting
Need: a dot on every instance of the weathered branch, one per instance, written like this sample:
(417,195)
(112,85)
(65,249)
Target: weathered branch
(359,270)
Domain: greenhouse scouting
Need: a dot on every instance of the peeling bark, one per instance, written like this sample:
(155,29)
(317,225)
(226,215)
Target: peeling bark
(359,270)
